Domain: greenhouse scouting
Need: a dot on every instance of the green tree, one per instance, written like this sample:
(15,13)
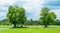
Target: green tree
(57,22)
(31,21)
(51,18)
(16,15)
(4,22)
(46,16)
(44,13)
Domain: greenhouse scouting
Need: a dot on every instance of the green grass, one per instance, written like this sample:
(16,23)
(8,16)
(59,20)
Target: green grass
(50,29)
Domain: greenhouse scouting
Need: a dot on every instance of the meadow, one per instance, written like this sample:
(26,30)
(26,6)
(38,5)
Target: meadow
(50,29)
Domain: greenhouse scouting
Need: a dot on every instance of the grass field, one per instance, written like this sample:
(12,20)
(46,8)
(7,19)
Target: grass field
(50,29)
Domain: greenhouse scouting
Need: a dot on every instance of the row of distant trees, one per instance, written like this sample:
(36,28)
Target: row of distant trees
(29,22)
(17,16)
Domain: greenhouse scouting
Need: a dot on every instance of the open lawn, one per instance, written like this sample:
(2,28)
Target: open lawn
(50,29)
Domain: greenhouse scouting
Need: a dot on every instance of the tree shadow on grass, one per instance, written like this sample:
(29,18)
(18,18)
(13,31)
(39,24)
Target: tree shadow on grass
(17,27)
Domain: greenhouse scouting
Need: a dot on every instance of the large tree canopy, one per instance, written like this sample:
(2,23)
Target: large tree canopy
(51,17)
(16,15)
(46,16)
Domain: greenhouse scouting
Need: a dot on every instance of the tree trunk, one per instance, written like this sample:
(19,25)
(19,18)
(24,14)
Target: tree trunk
(46,26)
(21,26)
(14,25)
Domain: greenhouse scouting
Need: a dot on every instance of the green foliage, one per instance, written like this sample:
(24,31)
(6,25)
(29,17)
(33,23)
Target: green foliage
(4,22)
(46,16)
(57,22)
(44,13)
(51,17)
(16,15)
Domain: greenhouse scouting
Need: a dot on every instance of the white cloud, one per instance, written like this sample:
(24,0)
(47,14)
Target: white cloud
(57,12)
(3,8)
(3,15)
(3,2)
(32,4)
(33,7)
(31,0)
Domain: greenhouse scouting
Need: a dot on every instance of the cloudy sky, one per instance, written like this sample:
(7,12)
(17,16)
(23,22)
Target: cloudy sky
(32,7)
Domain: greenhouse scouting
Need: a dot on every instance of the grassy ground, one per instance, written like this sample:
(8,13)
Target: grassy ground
(50,29)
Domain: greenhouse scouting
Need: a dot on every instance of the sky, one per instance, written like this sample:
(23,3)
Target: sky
(32,7)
